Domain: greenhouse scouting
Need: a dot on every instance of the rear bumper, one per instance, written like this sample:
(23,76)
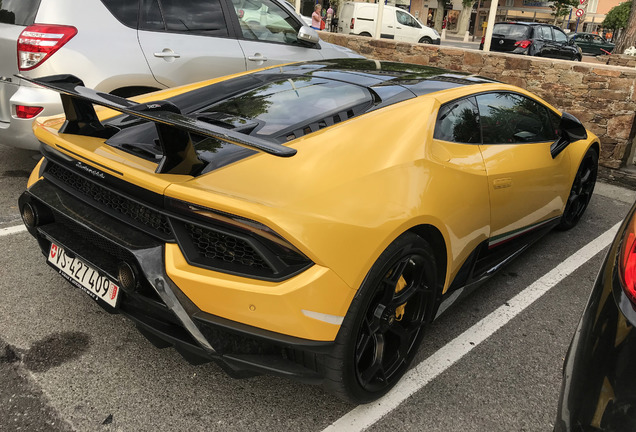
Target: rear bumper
(18,132)
(159,308)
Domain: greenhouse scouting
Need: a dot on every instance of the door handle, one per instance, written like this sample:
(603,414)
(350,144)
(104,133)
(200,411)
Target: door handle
(257,57)
(167,53)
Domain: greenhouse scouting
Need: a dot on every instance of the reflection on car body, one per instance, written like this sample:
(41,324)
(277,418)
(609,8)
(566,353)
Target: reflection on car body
(326,263)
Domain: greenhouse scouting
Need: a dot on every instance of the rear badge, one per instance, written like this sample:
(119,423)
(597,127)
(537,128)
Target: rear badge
(90,170)
(500,42)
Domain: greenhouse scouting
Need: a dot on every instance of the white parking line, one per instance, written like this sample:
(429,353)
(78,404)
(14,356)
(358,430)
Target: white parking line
(364,416)
(12,230)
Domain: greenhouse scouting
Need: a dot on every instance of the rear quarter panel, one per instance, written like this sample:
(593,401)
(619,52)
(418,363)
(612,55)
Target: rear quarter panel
(353,188)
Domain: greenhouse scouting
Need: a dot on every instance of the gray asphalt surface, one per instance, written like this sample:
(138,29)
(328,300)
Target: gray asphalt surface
(65,364)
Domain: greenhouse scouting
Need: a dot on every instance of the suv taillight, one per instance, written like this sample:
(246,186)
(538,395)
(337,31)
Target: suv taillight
(353,21)
(523,44)
(38,42)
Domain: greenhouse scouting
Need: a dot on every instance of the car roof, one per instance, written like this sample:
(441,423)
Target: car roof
(285,102)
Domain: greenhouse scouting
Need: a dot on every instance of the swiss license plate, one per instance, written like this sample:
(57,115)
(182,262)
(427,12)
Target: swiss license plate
(83,276)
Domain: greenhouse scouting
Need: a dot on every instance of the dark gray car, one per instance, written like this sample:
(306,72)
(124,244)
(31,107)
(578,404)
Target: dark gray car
(533,39)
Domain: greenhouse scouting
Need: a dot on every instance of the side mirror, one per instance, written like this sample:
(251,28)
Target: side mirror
(309,35)
(570,130)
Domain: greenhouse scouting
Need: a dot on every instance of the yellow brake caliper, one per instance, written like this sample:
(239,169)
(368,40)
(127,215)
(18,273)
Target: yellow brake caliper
(399,311)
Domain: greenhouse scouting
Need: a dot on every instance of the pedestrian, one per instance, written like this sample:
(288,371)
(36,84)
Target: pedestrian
(329,18)
(316,18)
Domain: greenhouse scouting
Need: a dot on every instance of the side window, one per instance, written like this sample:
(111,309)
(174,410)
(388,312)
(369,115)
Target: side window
(545,33)
(458,121)
(508,118)
(406,19)
(264,20)
(560,37)
(202,17)
(597,40)
(402,17)
(19,12)
(124,10)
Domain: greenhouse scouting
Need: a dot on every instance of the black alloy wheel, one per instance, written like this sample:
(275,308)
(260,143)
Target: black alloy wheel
(581,191)
(385,324)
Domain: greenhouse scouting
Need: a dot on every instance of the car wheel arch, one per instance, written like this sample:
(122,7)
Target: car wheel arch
(436,239)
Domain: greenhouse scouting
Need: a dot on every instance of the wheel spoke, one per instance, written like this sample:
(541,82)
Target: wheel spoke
(394,275)
(375,367)
(363,347)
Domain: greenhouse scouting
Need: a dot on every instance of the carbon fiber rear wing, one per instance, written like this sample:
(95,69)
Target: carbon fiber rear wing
(174,128)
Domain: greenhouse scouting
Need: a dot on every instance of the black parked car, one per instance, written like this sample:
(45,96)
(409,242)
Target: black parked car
(599,383)
(534,39)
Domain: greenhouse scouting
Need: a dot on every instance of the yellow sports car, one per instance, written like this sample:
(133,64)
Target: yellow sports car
(306,220)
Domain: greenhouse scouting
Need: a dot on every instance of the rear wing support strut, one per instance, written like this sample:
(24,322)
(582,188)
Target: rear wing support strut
(173,128)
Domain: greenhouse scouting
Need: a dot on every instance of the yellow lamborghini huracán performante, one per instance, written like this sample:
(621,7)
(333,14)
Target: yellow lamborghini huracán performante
(306,220)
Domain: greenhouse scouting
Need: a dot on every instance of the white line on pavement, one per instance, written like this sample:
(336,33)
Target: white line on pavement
(364,416)
(12,230)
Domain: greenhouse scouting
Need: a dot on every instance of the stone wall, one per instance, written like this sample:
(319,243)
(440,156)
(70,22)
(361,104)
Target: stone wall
(601,96)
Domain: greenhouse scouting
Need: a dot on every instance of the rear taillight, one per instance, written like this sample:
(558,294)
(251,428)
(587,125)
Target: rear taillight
(27,112)
(523,44)
(353,22)
(38,42)
(627,256)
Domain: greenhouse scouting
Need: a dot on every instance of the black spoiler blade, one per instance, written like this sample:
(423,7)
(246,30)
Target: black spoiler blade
(160,112)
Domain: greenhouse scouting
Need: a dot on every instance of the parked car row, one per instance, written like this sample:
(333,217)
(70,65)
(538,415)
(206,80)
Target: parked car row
(544,40)
(533,39)
(132,47)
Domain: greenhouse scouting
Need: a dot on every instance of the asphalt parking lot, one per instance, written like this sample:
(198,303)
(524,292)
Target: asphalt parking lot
(493,363)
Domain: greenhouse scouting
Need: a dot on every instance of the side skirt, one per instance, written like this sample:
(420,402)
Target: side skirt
(489,257)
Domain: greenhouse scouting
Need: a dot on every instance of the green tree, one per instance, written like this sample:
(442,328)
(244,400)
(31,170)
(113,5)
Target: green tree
(617,17)
(623,17)
(561,8)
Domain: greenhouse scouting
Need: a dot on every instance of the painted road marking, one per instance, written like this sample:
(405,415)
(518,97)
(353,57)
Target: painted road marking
(365,416)
(12,230)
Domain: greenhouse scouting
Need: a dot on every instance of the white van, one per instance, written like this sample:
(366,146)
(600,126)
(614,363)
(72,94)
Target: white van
(359,19)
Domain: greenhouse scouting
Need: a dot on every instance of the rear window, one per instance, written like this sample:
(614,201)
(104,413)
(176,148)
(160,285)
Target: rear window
(284,105)
(510,31)
(18,12)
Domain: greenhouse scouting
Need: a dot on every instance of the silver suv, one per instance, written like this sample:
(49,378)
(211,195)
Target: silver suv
(129,47)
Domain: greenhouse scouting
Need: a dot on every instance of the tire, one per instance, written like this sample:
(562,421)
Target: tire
(385,324)
(581,191)
(426,40)
(365,34)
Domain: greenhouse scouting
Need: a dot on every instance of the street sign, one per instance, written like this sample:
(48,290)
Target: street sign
(579,12)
